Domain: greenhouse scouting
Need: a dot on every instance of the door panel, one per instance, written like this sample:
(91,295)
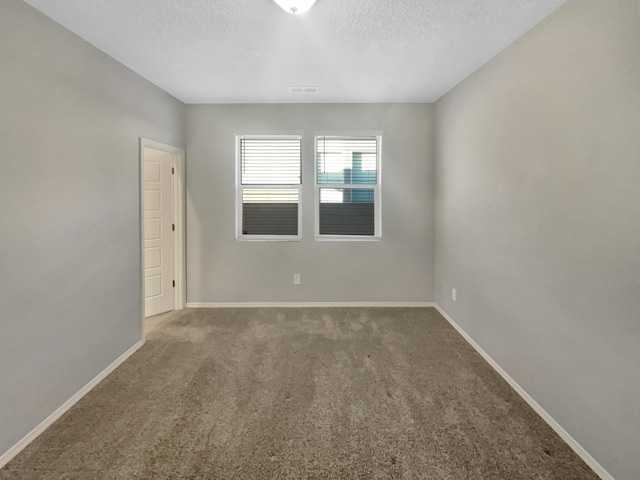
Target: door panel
(152,229)
(153,286)
(152,201)
(158,233)
(152,257)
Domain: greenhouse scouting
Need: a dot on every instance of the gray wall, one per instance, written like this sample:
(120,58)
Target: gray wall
(398,268)
(70,118)
(538,220)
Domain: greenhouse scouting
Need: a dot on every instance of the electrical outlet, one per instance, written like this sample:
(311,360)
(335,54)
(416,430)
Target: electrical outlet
(454,294)
(296,279)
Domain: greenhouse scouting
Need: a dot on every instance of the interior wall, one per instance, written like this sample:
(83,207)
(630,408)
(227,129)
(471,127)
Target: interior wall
(70,302)
(538,220)
(395,269)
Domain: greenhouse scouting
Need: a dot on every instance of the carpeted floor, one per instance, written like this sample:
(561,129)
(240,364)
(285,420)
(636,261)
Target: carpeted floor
(335,393)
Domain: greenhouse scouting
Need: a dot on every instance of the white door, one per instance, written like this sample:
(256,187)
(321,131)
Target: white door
(158,232)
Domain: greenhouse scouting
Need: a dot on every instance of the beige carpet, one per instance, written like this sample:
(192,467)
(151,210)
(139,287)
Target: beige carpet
(301,393)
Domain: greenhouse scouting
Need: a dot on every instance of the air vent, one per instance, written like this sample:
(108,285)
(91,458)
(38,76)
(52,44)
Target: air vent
(304,90)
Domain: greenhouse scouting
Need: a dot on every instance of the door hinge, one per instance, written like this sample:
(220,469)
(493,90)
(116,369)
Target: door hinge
(174,283)
(173,170)
(173,227)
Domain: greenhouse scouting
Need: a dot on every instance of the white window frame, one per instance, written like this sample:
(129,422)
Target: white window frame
(240,188)
(377,188)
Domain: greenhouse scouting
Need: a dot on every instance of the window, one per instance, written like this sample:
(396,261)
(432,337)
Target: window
(268,187)
(348,187)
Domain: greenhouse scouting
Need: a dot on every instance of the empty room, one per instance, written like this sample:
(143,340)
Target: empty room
(298,239)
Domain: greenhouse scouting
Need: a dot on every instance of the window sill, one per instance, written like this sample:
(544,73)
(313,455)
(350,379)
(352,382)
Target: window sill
(347,238)
(257,238)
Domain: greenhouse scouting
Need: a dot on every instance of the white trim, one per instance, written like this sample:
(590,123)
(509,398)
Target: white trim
(348,133)
(179,209)
(268,133)
(573,444)
(377,188)
(239,235)
(347,238)
(268,238)
(179,203)
(310,304)
(47,422)
(566,436)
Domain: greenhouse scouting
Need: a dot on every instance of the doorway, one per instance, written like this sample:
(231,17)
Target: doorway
(162,227)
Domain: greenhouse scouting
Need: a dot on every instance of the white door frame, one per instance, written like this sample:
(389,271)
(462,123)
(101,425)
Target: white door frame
(178,185)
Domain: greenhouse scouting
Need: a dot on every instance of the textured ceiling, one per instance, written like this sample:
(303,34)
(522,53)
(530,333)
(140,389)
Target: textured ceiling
(251,51)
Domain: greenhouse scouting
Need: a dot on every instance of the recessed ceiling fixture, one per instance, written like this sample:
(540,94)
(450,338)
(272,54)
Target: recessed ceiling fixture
(295,6)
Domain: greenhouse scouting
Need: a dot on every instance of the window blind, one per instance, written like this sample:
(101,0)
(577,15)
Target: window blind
(347,160)
(347,186)
(269,186)
(270,161)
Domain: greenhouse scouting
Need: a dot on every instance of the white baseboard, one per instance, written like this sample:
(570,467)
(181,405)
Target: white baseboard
(575,446)
(310,304)
(31,436)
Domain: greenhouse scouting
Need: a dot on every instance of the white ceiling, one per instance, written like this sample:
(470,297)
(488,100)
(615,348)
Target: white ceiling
(251,51)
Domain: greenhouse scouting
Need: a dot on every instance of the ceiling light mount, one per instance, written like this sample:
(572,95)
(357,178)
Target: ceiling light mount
(295,6)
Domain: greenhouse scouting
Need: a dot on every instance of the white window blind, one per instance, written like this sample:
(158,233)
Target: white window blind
(270,160)
(348,186)
(268,190)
